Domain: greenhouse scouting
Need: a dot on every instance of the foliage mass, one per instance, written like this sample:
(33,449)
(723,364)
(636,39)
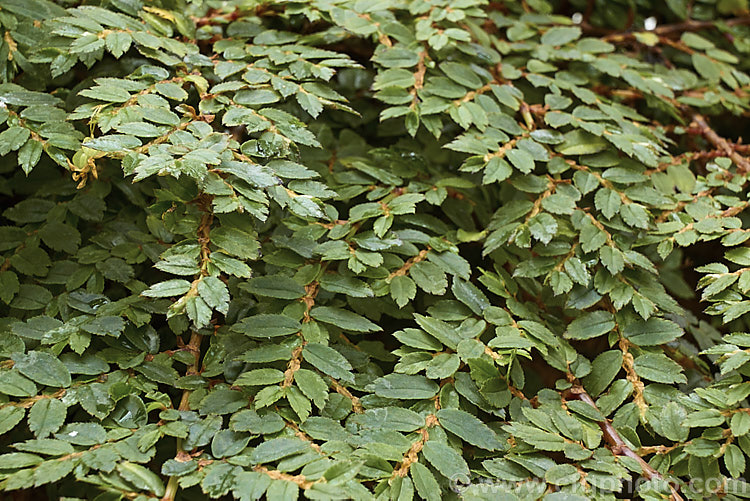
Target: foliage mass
(370,249)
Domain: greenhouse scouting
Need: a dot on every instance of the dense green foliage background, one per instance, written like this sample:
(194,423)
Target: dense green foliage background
(371,249)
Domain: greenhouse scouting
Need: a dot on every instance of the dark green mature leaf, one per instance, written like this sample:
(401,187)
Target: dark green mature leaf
(47,416)
(653,331)
(266,325)
(141,477)
(470,295)
(10,416)
(590,325)
(168,288)
(276,286)
(403,290)
(251,421)
(402,386)
(215,284)
(277,448)
(328,361)
(561,35)
(425,482)
(658,367)
(604,368)
(343,319)
(446,460)
(42,368)
(469,428)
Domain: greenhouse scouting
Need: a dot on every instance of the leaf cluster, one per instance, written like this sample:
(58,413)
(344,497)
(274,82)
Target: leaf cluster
(370,249)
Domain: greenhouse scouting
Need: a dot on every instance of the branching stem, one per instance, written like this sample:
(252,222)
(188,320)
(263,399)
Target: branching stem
(616,444)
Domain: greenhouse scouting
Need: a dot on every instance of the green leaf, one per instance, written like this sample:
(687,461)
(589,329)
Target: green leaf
(277,286)
(462,74)
(397,57)
(561,35)
(577,271)
(635,215)
(118,43)
(259,377)
(9,286)
(10,416)
(612,259)
(171,90)
(236,242)
(109,93)
(445,460)
(562,474)
(267,325)
(215,293)
(228,443)
(223,401)
(429,277)
(30,154)
(83,434)
(425,482)
(46,416)
(558,203)
(543,227)
(343,319)
(309,103)
(704,418)
(672,422)
(469,428)
(608,202)
(277,448)
(403,290)
(141,477)
(652,332)
(230,265)
(14,460)
(219,478)
(250,485)
(350,286)
(540,439)
(42,368)
(440,330)
(256,97)
(404,387)
(417,339)
(496,170)
(734,460)
(590,325)
(49,446)
(328,361)
(14,384)
(160,373)
(113,143)
(578,142)
(168,288)
(313,387)
(470,295)
(104,326)
(706,67)
(604,368)
(12,139)
(740,424)
(198,311)
(521,160)
(250,421)
(31,297)
(659,368)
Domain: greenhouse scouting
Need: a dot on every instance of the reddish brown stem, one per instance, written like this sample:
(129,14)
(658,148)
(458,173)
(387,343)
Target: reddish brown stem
(721,144)
(616,444)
